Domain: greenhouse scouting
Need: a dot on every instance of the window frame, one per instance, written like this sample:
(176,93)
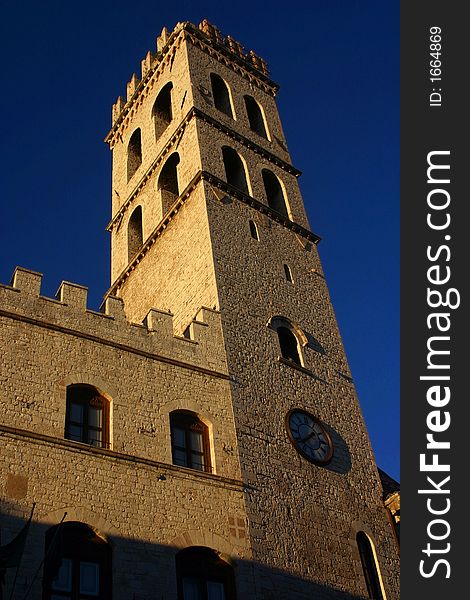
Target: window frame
(189,422)
(100,402)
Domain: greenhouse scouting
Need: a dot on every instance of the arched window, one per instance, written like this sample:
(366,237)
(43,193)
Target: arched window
(87,416)
(221,95)
(369,566)
(203,575)
(255,116)
(161,111)
(290,339)
(168,182)
(289,345)
(134,153)
(254,230)
(134,232)
(274,192)
(189,441)
(234,169)
(77,564)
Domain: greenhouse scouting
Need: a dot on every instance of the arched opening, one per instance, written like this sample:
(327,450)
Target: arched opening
(134,233)
(77,563)
(369,566)
(254,230)
(203,575)
(255,116)
(87,416)
(134,153)
(189,441)
(288,273)
(168,182)
(221,95)
(161,111)
(289,345)
(234,169)
(274,192)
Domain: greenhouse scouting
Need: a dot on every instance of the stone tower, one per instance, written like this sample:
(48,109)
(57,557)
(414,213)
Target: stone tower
(202,432)
(221,223)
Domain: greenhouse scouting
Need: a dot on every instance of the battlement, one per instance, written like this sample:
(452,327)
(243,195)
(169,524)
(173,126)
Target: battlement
(209,36)
(201,348)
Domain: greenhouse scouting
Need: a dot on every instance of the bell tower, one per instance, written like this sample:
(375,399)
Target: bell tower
(207,211)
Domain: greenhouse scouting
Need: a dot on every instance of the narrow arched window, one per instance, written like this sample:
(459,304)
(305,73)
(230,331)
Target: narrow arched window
(134,233)
(134,153)
(288,273)
(189,441)
(274,192)
(203,575)
(369,566)
(77,563)
(87,416)
(254,230)
(168,182)
(255,116)
(234,169)
(161,111)
(289,345)
(221,95)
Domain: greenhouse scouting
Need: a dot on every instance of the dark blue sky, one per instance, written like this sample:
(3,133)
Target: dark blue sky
(337,63)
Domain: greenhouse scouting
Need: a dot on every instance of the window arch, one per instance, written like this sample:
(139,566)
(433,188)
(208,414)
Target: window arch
(203,575)
(369,566)
(168,182)
(190,441)
(77,566)
(221,95)
(134,153)
(274,192)
(234,169)
(255,116)
(161,111)
(87,416)
(291,339)
(134,233)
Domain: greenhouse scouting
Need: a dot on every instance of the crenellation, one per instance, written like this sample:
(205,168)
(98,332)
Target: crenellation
(73,295)
(118,107)
(160,322)
(147,63)
(27,281)
(162,39)
(132,85)
(113,306)
(154,335)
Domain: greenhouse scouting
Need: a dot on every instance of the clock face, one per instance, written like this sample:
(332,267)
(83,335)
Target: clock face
(309,436)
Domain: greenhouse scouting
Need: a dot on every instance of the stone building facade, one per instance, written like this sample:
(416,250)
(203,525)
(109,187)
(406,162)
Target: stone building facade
(201,433)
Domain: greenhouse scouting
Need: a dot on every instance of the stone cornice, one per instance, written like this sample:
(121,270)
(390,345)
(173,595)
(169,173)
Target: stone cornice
(227,189)
(247,142)
(175,138)
(106,454)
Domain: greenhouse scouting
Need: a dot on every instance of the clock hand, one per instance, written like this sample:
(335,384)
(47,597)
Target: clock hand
(309,436)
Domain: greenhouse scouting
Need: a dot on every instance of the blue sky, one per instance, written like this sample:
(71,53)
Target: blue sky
(337,63)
